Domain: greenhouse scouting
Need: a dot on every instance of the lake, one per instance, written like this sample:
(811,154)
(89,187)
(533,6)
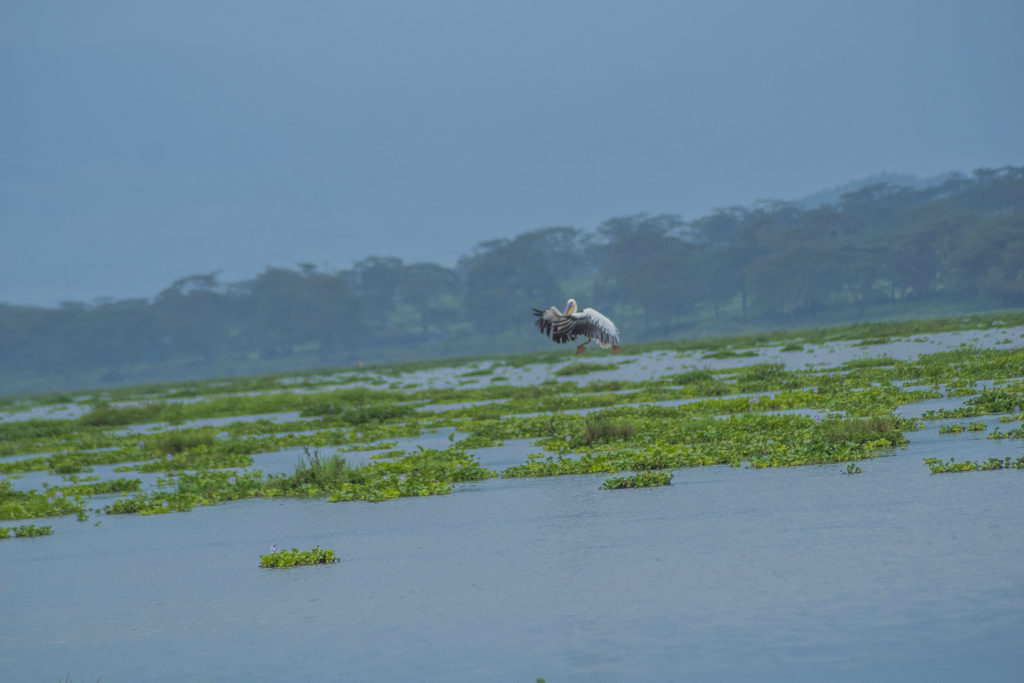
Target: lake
(789,574)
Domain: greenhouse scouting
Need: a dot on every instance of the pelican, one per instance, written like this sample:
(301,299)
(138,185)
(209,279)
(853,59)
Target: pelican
(565,327)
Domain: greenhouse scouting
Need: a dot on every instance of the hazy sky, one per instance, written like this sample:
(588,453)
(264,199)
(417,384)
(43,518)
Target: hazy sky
(141,142)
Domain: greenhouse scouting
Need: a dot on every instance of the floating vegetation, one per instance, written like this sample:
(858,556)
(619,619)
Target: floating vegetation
(297,558)
(853,468)
(958,428)
(937,466)
(873,362)
(1017,433)
(728,353)
(30,504)
(692,376)
(742,416)
(873,342)
(479,372)
(639,480)
(584,368)
(1006,399)
(26,531)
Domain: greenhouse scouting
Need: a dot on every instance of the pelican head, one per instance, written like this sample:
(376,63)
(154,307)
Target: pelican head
(570,307)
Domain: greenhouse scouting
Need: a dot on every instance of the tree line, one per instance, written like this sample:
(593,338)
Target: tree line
(882,250)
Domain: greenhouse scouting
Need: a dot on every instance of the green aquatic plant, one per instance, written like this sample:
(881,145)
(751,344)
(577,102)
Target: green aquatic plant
(623,432)
(872,362)
(324,473)
(1005,399)
(1017,433)
(728,353)
(583,368)
(639,480)
(51,502)
(360,415)
(479,372)
(765,377)
(937,466)
(876,341)
(297,558)
(106,415)
(853,468)
(26,531)
(605,427)
(691,376)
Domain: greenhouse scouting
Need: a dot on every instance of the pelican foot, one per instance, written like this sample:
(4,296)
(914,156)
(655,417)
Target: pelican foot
(616,350)
(579,349)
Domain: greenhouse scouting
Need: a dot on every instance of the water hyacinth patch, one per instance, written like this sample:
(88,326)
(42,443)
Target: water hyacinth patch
(850,418)
(937,466)
(639,480)
(26,531)
(297,558)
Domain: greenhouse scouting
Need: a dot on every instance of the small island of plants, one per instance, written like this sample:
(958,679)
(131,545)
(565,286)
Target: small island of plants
(639,480)
(297,558)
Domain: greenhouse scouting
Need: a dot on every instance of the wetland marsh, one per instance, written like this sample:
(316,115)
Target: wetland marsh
(677,511)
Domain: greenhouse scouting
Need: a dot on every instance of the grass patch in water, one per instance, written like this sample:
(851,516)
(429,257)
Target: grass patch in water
(876,341)
(480,372)
(583,368)
(639,480)
(604,428)
(729,353)
(323,473)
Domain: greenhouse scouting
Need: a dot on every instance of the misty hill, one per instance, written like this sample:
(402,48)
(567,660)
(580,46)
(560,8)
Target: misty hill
(881,251)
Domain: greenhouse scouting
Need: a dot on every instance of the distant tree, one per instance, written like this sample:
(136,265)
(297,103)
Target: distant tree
(190,318)
(645,264)
(505,278)
(377,280)
(433,292)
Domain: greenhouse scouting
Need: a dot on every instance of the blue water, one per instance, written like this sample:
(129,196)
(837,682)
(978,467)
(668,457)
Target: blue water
(728,574)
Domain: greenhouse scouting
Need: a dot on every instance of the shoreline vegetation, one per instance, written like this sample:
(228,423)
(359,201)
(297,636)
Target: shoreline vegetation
(757,415)
(881,252)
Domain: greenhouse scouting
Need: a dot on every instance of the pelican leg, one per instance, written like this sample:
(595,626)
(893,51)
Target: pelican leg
(582,347)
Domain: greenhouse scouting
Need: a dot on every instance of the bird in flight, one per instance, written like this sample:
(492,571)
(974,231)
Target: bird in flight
(589,323)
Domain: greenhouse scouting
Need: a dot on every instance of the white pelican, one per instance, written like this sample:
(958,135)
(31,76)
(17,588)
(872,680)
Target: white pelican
(564,327)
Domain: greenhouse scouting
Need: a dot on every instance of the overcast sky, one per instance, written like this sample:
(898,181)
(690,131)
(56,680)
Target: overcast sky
(141,142)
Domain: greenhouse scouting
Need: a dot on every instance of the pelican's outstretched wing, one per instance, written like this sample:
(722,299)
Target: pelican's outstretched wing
(589,323)
(549,323)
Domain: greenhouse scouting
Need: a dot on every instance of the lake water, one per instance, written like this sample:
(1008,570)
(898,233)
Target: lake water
(728,574)
(794,574)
